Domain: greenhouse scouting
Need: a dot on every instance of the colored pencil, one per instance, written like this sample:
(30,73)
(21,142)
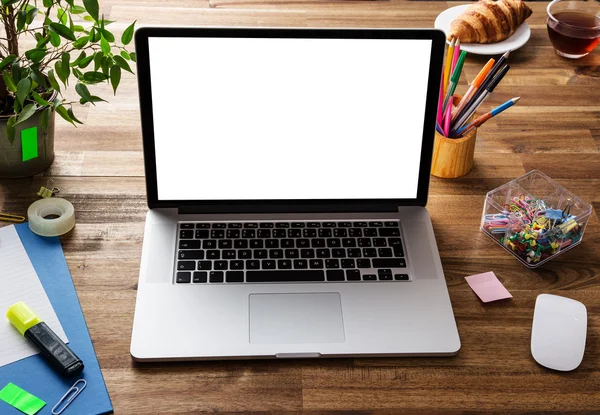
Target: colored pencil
(473,88)
(447,117)
(477,101)
(448,64)
(454,79)
(464,130)
(439,109)
(456,55)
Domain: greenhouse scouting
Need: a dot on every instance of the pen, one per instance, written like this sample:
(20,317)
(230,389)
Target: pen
(464,130)
(473,88)
(448,65)
(52,347)
(455,78)
(497,66)
(476,102)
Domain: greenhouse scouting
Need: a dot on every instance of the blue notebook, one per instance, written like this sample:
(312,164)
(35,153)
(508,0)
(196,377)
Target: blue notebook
(34,374)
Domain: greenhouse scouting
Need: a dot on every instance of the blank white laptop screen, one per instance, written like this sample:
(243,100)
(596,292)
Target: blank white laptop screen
(288,118)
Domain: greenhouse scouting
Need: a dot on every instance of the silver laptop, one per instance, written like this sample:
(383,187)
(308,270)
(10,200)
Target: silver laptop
(287,173)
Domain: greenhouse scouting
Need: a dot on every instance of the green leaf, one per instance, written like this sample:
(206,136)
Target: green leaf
(81,42)
(97,60)
(104,46)
(62,68)
(23,88)
(77,9)
(36,55)
(41,101)
(106,65)
(70,2)
(62,30)
(78,28)
(9,2)
(107,35)
(53,82)
(31,13)
(7,61)
(88,18)
(128,34)
(85,62)
(115,77)
(125,55)
(10,128)
(21,20)
(81,56)
(45,117)
(133,56)
(62,111)
(94,77)
(27,112)
(54,39)
(78,74)
(16,71)
(62,16)
(8,81)
(39,78)
(47,3)
(122,63)
(83,92)
(43,41)
(73,117)
(92,8)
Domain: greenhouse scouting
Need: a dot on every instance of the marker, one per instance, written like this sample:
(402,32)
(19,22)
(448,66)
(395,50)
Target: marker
(464,130)
(476,103)
(473,88)
(454,80)
(52,347)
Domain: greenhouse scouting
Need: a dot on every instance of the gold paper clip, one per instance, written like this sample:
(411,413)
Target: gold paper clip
(68,397)
(11,218)
(48,191)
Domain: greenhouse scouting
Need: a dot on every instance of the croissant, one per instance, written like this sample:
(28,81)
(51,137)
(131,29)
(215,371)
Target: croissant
(489,21)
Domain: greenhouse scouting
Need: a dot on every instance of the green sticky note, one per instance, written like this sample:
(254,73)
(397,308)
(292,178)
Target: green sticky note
(21,399)
(29,143)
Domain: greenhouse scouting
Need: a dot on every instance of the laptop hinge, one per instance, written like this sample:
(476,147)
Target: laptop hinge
(187,210)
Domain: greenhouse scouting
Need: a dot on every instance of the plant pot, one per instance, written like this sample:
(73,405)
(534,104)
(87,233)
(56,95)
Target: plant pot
(32,150)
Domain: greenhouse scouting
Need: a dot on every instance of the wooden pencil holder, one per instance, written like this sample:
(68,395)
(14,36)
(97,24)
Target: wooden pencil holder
(453,157)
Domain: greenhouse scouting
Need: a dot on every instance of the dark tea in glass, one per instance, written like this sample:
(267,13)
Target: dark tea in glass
(574,27)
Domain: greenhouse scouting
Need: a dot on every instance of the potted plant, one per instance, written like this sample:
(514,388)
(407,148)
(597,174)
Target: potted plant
(69,45)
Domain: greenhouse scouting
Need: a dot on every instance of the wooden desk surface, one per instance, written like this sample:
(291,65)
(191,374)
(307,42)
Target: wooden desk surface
(555,128)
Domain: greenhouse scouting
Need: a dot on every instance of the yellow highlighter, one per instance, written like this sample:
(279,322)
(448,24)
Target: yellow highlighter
(52,347)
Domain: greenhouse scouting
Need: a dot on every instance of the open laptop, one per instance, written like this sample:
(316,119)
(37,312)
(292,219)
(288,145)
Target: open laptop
(287,173)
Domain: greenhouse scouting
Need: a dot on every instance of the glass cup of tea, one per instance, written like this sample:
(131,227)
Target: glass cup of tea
(574,27)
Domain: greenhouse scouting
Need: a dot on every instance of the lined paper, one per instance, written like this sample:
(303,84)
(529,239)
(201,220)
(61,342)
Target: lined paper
(19,282)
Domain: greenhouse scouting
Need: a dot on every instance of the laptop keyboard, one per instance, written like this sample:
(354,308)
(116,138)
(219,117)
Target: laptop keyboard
(278,251)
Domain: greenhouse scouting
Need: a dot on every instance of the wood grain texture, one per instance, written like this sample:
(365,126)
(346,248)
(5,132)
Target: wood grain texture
(555,128)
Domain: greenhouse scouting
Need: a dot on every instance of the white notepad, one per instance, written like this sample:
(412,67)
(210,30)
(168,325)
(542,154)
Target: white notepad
(19,282)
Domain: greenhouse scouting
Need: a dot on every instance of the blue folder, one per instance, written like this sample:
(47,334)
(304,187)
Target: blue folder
(34,374)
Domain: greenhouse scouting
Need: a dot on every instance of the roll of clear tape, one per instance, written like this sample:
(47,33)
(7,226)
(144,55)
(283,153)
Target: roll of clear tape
(51,206)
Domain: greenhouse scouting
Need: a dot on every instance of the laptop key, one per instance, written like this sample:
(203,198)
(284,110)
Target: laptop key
(338,253)
(386,277)
(225,244)
(354,253)
(303,243)
(263,233)
(268,264)
(279,233)
(323,253)
(332,263)
(237,264)
(313,224)
(219,225)
(192,244)
(344,224)
(300,263)
(186,226)
(203,225)
(248,233)
(202,233)
(209,244)
(401,277)
(369,277)
(329,224)
(292,253)
(307,253)
(220,265)
(316,263)
(335,275)
(244,254)
(370,232)
(251,225)
(360,224)
(276,253)
(186,234)
(352,275)
(205,265)
(375,224)
(232,233)
(340,233)
(215,276)
(318,243)
(256,243)
(229,254)
(334,243)
(385,252)
(284,264)
(363,263)
(252,264)
(184,277)
(234,225)
(389,263)
(282,225)
(364,242)
(309,233)
(200,277)
(272,243)
(348,263)
(379,242)
(240,243)
(385,272)
(324,233)
(199,254)
(348,242)
(186,265)
(287,243)
(355,232)
(214,233)
(298,225)
(390,224)
(266,225)
(369,252)
(234,276)
(389,232)
(213,254)
(261,253)
(294,233)
(285,276)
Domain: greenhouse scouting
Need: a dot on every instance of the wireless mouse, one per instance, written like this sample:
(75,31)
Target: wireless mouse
(558,333)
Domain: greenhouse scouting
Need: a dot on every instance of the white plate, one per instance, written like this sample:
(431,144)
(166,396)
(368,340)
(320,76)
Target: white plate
(518,39)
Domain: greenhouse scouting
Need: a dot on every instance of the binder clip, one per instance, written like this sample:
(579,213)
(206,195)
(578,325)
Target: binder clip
(48,191)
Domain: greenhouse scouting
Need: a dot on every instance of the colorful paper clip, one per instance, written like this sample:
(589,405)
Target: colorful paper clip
(68,397)
(48,191)
(6,217)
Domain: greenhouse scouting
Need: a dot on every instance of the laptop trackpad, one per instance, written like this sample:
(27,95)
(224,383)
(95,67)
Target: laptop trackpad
(296,318)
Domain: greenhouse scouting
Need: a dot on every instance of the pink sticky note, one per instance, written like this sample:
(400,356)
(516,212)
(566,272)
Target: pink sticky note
(487,287)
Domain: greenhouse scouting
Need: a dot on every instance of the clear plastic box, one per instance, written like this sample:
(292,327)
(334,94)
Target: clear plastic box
(534,218)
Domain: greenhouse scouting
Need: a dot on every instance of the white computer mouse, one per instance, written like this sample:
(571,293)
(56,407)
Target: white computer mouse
(558,333)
